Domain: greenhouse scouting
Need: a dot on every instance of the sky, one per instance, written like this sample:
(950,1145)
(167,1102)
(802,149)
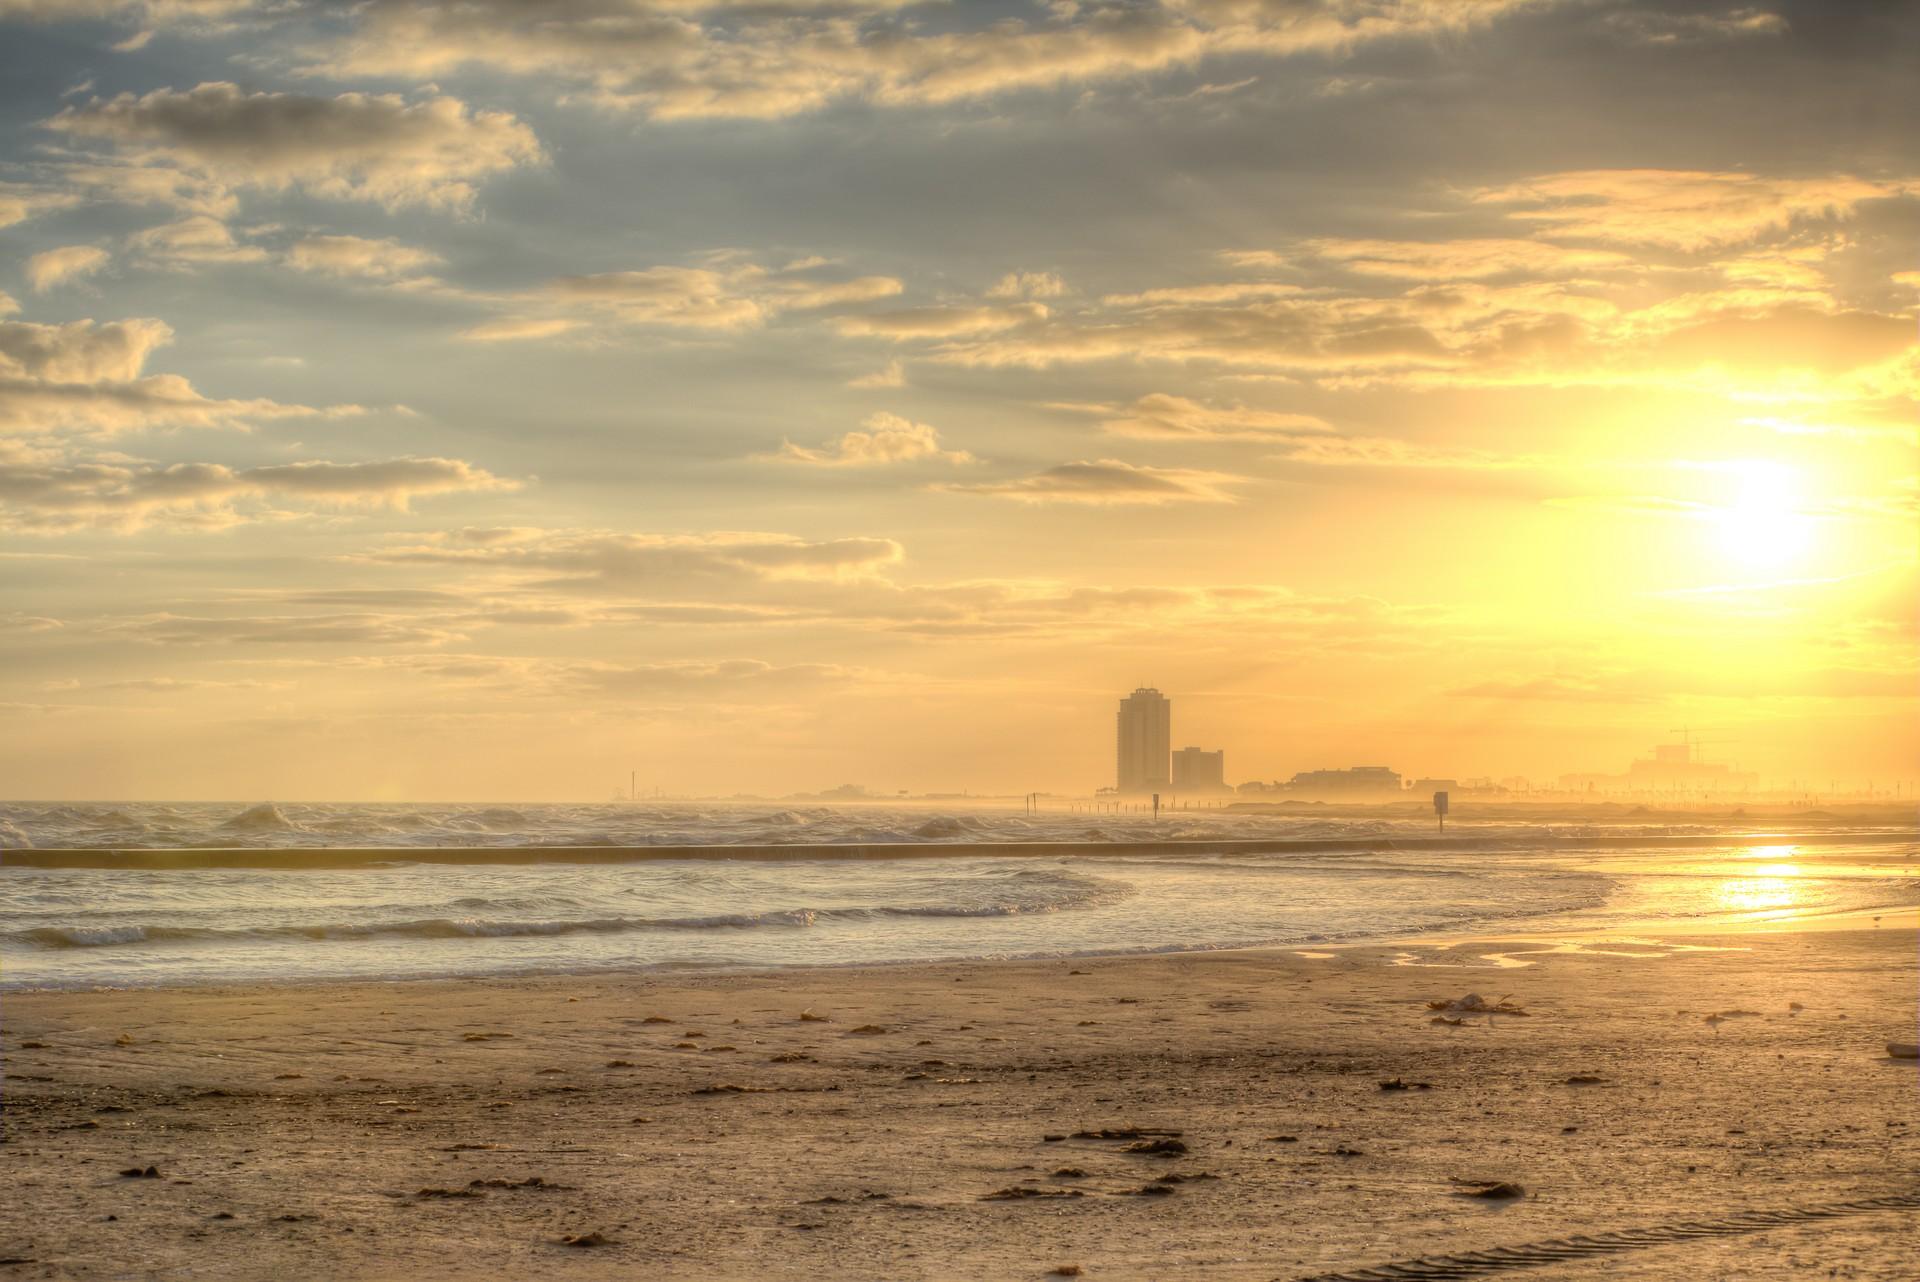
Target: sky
(483,400)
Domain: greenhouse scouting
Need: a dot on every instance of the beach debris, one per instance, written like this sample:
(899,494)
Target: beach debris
(657,1019)
(484,1037)
(1021,1192)
(729,1088)
(1475,1004)
(1442,1019)
(1052,1139)
(1125,1133)
(33,1046)
(595,1238)
(1794,1008)
(1069,1173)
(866,1195)
(791,1057)
(1344,1151)
(1155,1189)
(288,1077)
(141,1173)
(867,1030)
(125,1039)
(1496,1190)
(1398,1084)
(531,1182)
(1283,1139)
(1157,1148)
(1064,1271)
(808,1017)
(1903,1050)
(1186,1177)
(620,1063)
(1584,1079)
(428,1193)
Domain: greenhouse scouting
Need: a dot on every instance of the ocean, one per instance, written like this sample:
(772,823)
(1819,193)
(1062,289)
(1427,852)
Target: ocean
(299,892)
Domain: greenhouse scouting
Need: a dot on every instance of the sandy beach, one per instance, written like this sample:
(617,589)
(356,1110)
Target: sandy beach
(1266,1114)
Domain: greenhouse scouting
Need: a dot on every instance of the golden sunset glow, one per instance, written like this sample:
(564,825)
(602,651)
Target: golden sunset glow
(468,401)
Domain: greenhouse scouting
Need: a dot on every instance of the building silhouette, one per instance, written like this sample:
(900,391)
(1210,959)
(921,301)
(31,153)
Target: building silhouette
(1144,738)
(1197,770)
(1350,784)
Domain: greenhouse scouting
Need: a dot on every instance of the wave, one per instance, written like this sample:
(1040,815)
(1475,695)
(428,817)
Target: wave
(265,817)
(227,851)
(481,928)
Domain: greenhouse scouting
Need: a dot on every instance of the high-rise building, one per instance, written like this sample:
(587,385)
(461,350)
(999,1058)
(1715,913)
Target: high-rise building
(1197,770)
(1145,735)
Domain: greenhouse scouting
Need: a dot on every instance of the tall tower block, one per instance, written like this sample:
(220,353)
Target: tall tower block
(1144,739)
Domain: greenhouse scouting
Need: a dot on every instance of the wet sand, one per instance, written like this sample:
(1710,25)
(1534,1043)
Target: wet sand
(943,1121)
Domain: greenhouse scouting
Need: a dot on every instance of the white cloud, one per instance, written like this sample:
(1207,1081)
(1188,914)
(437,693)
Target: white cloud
(194,241)
(1110,482)
(376,147)
(19,203)
(888,439)
(358,256)
(1160,416)
(894,373)
(54,267)
(84,377)
(43,496)
(1028,285)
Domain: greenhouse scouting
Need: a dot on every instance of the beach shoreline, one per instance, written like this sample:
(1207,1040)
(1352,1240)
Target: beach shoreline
(712,1124)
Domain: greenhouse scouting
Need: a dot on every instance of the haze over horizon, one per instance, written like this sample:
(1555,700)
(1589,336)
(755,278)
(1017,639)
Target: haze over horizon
(413,401)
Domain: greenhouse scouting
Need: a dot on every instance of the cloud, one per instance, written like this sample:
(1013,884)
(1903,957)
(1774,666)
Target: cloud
(83,377)
(275,630)
(48,497)
(194,241)
(1468,259)
(683,59)
(1687,210)
(1110,482)
(19,203)
(888,439)
(602,561)
(158,11)
(1654,27)
(1382,451)
(729,296)
(1028,285)
(894,373)
(1160,416)
(54,267)
(374,147)
(941,322)
(681,296)
(360,257)
(749,678)
(515,329)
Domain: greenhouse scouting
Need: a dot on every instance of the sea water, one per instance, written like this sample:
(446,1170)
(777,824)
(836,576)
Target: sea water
(840,894)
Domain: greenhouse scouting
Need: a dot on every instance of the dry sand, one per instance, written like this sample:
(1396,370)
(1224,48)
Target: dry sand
(853,1123)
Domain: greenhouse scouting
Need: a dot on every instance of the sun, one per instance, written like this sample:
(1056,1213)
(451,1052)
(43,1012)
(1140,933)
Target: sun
(1762,523)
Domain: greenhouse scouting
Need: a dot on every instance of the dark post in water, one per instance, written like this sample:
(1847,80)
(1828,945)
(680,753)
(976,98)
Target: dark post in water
(1440,808)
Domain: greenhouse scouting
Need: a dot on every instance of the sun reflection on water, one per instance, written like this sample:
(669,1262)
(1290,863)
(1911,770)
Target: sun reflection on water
(1776,891)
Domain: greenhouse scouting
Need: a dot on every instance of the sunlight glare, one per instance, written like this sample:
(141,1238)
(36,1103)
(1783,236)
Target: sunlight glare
(1762,526)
